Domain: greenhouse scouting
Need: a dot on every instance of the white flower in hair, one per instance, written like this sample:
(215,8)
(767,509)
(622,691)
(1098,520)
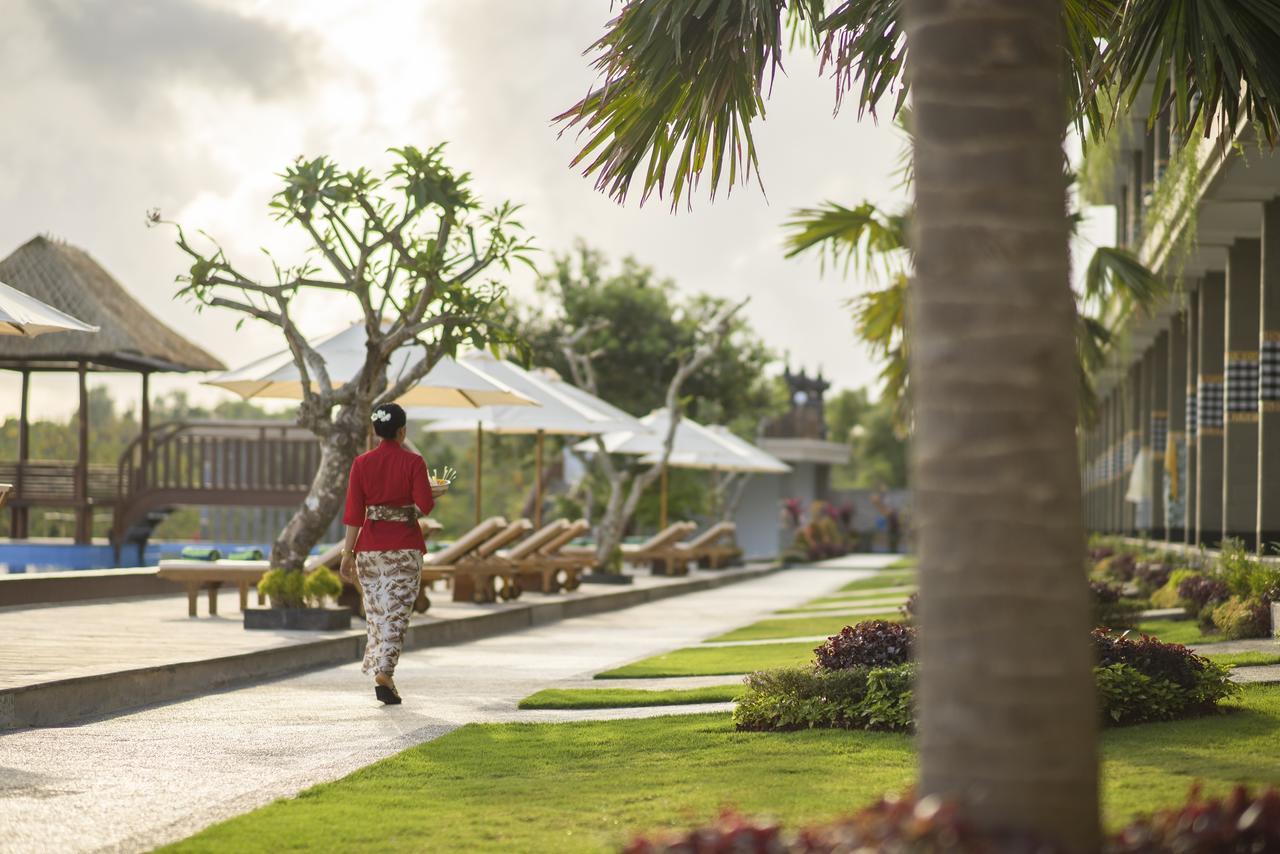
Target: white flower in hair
(380,415)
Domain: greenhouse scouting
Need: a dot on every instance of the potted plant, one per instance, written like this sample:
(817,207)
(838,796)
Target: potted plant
(298,601)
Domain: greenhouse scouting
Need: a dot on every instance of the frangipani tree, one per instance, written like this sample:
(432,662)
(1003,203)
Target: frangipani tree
(412,253)
(1006,695)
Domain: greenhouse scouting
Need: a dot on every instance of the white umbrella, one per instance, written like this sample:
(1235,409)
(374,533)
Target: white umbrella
(694,446)
(448,384)
(562,409)
(23,314)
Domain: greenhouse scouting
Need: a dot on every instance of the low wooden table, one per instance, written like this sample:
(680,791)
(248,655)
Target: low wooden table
(212,574)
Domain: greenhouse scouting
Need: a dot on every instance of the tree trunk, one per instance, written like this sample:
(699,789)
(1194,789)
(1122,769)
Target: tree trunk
(612,524)
(328,493)
(1007,707)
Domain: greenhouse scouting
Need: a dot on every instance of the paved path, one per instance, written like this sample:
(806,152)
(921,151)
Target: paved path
(44,643)
(134,781)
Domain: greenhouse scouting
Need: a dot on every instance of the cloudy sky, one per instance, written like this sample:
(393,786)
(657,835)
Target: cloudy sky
(193,106)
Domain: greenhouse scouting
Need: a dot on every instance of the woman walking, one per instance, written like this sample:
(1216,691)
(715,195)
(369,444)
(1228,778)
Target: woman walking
(388,487)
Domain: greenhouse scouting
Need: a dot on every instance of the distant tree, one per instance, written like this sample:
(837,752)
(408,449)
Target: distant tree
(877,442)
(408,251)
(638,326)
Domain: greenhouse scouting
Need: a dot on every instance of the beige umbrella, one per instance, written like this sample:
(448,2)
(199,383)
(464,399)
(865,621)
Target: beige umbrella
(23,314)
(562,410)
(449,383)
(695,446)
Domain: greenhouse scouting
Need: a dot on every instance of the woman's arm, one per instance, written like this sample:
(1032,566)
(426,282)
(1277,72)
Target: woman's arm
(348,567)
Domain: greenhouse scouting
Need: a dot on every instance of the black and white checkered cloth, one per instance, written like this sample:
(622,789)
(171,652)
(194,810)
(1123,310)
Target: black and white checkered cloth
(1242,386)
(1269,371)
(1209,401)
(1159,433)
(1191,415)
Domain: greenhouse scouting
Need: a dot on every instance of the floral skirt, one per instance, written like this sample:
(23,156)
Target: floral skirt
(390,580)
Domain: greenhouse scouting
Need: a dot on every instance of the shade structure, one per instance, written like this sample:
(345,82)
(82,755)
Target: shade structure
(23,314)
(449,383)
(563,410)
(695,446)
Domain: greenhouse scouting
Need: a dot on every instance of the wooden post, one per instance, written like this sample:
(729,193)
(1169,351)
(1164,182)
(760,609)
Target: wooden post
(19,518)
(537,484)
(144,446)
(84,513)
(479,469)
(662,502)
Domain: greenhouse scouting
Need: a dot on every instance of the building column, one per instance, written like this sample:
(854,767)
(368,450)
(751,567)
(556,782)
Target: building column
(19,519)
(1193,416)
(1115,500)
(1142,442)
(1132,442)
(1158,383)
(1209,401)
(1174,465)
(1240,421)
(1269,380)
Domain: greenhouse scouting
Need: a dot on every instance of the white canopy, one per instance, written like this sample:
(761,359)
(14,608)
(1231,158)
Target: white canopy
(449,384)
(695,446)
(562,409)
(23,314)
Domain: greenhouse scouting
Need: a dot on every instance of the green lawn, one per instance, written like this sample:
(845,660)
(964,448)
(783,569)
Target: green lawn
(881,579)
(1245,659)
(1178,631)
(800,627)
(617,698)
(587,787)
(716,661)
(854,600)
(904,562)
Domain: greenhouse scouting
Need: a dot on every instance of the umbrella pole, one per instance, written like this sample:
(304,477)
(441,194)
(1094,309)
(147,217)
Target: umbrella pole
(479,468)
(537,484)
(662,502)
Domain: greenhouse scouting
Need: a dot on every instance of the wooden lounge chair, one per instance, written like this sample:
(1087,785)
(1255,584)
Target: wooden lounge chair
(542,569)
(6,489)
(660,552)
(440,566)
(517,556)
(714,548)
(475,577)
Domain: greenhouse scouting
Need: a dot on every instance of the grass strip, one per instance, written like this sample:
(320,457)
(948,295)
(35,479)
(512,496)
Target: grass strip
(715,661)
(1178,631)
(800,627)
(587,787)
(1245,659)
(622,698)
(827,603)
(881,579)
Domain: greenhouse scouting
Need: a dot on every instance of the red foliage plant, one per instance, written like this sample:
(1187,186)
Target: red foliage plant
(871,643)
(1241,822)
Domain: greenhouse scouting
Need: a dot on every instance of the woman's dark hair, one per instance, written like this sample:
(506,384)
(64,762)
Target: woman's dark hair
(387,419)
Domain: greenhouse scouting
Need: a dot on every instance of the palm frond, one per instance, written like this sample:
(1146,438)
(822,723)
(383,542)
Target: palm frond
(1093,338)
(681,83)
(863,234)
(880,321)
(865,42)
(1217,56)
(1115,273)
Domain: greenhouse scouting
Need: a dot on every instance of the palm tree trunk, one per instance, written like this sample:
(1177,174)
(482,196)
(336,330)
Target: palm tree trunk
(1007,711)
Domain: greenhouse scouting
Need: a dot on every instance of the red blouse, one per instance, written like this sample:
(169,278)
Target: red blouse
(388,475)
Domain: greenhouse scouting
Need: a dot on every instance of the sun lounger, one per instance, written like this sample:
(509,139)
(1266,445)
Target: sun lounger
(714,548)
(543,568)
(660,552)
(212,574)
(6,489)
(475,577)
(441,565)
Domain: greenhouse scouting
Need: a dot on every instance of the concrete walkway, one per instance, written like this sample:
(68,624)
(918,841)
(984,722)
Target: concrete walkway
(134,781)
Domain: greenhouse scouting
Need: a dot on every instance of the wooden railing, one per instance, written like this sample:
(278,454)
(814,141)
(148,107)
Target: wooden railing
(52,483)
(250,463)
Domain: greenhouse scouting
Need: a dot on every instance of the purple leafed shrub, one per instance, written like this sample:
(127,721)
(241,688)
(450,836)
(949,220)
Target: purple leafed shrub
(872,643)
(1203,590)
(1243,821)
(1154,658)
(1152,574)
(1104,593)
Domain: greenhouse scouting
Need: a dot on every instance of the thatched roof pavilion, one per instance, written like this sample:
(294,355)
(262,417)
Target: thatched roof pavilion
(131,339)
